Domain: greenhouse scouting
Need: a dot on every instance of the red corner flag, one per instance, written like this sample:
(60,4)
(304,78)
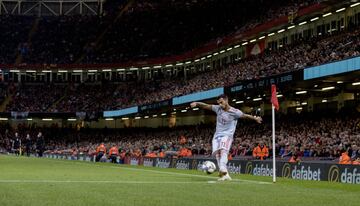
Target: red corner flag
(274,99)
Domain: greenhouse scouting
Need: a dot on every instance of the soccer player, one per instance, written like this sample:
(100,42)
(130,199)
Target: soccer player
(226,121)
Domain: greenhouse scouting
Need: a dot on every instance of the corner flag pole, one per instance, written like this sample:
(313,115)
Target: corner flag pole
(273,143)
(275,105)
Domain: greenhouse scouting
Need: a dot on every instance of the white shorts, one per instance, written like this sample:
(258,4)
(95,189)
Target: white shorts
(221,142)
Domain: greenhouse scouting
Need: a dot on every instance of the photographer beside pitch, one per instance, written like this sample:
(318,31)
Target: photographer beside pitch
(226,121)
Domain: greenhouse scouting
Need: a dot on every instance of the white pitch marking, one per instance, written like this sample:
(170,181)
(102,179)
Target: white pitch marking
(188,175)
(160,172)
(99,181)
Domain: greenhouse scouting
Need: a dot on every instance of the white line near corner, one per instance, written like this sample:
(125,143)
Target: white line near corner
(163,172)
(101,182)
(189,175)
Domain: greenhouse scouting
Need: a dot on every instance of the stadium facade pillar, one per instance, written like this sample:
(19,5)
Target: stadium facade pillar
(341,99)
(310,104)
(185,75)
(284,106)
(19,77)
(262,108)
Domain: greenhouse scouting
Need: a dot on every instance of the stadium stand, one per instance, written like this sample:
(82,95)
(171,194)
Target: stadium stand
(305,53)
(146,29)
(306,135)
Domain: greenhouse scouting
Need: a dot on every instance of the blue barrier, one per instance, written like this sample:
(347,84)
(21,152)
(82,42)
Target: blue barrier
(198,96)
(121,112)
(333,68)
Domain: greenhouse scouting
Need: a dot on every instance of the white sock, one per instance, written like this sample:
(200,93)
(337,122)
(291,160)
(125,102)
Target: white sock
(217,155)
(223,161)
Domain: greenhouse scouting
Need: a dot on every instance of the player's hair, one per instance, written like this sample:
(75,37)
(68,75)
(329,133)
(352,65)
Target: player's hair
(224,96)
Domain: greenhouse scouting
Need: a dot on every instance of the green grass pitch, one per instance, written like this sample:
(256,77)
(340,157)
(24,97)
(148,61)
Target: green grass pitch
(32,181)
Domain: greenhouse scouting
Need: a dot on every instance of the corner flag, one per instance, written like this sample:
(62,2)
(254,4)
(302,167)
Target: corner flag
(274,99)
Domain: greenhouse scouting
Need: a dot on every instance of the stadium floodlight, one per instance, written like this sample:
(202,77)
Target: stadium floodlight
(252,40)
(146,117)
(314,19)
(30,71)
(239,102)
(245,43)
(14,70)
(208,56)
(4,119)
(304,103)
(355,83)
(106,70)
(339,82)
(77,70)
(134,69)
(163,114)
(299,108)
(125,118)
(173,112)
(47,119)
(356,4)
(236,46)
(145,68)
(188,62)
(301,92)
(109,119)
(281,30)
(62,71)
(29,119)
(93,70)
(71,119)
(157,66)
(179,64)
(228,49)
(271,34)
(197,60)
(155,115)
(202,58)
(222,51)
(339,10)
(234,100)
(328,14)
(302,23)
(137,118)
(292,26)
(184,110)
(195,109)
(327,88)
(257,99)
(279,95)
(324,100)
(262,37)
(120,70)
(216,53)
(168,65)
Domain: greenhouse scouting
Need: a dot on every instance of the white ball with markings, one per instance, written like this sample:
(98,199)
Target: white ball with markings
(208,167)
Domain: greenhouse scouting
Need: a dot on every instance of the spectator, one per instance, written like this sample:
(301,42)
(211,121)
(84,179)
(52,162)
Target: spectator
(261,151)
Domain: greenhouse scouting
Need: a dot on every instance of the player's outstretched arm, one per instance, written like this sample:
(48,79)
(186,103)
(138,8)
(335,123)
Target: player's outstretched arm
(201,105)
(255,118)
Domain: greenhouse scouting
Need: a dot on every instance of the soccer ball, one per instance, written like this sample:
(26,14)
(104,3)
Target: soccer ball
(208,167)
